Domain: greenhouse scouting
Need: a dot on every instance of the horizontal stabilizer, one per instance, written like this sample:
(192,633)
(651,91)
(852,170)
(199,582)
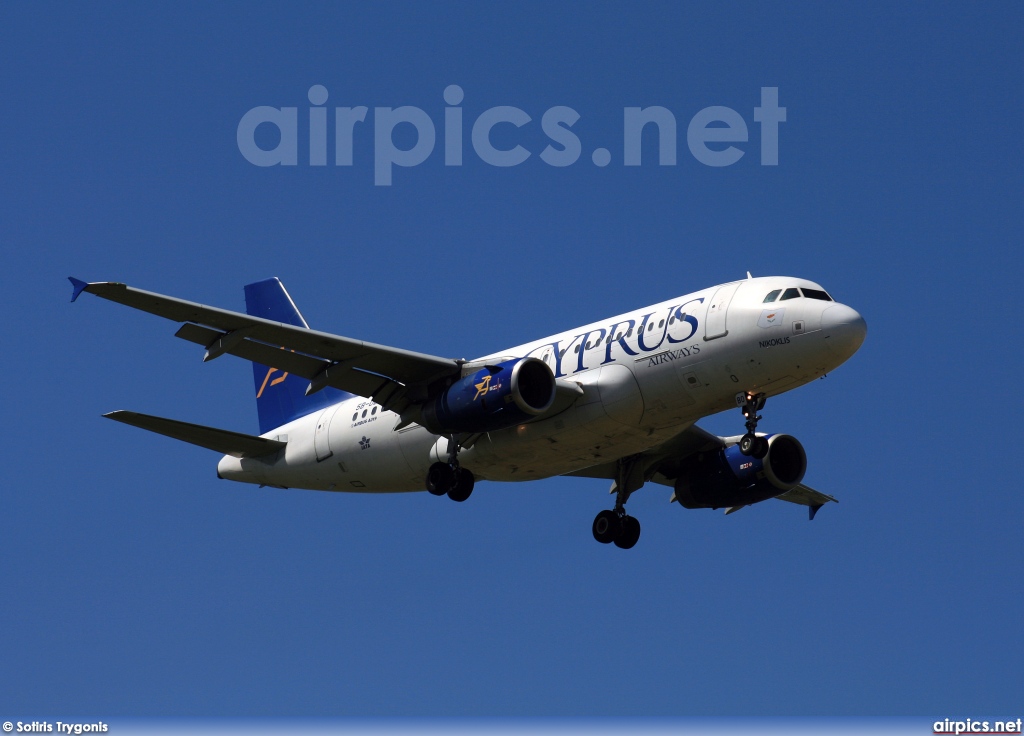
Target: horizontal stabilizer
(218,440)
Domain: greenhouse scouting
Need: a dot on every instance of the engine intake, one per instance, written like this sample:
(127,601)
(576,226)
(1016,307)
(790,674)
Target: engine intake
(494,397)
(729,478)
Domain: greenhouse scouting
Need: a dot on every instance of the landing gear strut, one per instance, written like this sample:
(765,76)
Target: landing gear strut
(450,478)
(615,525)
(750,443)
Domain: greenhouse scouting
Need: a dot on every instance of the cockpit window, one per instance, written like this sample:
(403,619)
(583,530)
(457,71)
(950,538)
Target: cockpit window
(790,294)
(771,296)
(817,294)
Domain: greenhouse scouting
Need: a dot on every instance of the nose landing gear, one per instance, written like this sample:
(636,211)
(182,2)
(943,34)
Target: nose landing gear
(750,443)
(450,478)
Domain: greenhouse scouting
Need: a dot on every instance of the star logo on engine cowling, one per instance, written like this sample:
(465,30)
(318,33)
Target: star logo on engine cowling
(364,443)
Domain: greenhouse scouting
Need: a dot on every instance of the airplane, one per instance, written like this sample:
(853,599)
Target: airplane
(616,399)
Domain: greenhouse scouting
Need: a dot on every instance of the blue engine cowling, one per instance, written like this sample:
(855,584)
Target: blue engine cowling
(729,478)
(494,397)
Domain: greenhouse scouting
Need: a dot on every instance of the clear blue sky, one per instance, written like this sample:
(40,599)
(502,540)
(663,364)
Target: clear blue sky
(136,583)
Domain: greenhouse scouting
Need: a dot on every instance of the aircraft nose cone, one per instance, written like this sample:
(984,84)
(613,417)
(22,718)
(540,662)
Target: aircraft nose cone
(844,330)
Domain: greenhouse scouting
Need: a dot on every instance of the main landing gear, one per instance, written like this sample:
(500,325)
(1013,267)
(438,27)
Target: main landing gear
(449,478)
(615,525)
(750,443)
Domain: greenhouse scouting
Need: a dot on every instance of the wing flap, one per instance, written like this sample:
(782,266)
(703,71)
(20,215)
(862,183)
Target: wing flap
(218,440)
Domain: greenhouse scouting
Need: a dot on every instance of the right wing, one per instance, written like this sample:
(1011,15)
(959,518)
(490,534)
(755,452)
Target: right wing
(392,377)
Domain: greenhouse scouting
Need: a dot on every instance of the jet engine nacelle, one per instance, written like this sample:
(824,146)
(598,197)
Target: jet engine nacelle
(729,478)
(494,397)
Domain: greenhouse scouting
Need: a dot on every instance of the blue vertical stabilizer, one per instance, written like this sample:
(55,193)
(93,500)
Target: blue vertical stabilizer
(281,397)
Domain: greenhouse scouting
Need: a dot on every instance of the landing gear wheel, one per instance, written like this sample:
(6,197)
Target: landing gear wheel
(462,486)
(750,443)
(629,534)
(753,446)
(606,527)
(440,477)
(760,448)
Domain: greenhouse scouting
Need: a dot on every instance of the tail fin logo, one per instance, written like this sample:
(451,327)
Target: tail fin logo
(276,381)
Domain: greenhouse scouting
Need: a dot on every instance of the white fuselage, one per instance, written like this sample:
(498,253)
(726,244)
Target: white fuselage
(646,376)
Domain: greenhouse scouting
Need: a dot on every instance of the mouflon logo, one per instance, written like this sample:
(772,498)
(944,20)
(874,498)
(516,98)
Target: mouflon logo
(484,386)
(771,318)
(276,381)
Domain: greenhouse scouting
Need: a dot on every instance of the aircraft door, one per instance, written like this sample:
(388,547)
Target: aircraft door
(320,434)
(715,324)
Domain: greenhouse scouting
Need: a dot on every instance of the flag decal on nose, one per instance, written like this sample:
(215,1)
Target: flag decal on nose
(771,318)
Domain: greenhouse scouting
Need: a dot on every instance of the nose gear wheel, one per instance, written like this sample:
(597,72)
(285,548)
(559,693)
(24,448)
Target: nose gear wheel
(750,444)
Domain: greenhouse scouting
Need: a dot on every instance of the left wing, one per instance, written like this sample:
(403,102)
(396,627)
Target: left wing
(807,496)
(661,464)
(392,377)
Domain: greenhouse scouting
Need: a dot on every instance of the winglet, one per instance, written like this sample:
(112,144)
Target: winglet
(78,285)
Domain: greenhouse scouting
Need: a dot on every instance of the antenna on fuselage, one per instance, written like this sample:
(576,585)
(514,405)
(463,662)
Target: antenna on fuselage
(749,277)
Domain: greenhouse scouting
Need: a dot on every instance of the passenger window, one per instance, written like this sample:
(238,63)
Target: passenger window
(790,294)
(772,295)
(817,294)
